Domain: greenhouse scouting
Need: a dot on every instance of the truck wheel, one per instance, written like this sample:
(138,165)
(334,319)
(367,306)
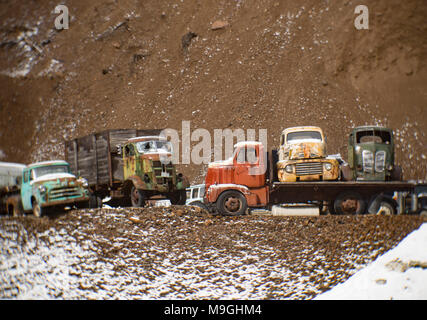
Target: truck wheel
(199,204)
(95,201)
(37,209)
(178,197)
(349,203)
(386,209)
(232,203)
(137,197)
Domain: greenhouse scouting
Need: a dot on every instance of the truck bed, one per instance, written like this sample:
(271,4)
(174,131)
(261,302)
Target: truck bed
(95,157)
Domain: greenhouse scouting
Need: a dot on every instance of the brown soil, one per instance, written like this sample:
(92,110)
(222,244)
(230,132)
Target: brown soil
(275,64)
(185,253)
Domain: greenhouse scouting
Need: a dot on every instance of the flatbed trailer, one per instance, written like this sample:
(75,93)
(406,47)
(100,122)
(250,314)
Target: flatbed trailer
(238,184)
(366,193)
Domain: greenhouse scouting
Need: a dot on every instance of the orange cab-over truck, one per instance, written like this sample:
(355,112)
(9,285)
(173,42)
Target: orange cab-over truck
(249,180)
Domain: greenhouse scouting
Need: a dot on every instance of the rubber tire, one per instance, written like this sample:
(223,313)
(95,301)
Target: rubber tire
(349,195)
(38,211)
(423,213)
(389,206)
(179,197)
(95,201)
(199,204)
(220,203)
(137,197)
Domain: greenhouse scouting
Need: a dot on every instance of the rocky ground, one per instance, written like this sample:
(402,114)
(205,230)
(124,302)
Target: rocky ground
(185,253)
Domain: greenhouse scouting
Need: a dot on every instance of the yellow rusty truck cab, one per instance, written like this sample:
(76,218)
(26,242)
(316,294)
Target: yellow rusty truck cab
(302,156)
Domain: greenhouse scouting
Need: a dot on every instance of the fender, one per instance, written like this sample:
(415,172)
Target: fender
(215,190)
(138,182)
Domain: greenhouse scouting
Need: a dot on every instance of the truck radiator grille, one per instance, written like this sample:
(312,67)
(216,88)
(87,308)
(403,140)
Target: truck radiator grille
(63,192)
(308,168)
(158,168)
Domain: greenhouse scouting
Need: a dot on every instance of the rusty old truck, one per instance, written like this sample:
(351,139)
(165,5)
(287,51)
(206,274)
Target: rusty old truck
(127,166)
(371,155)
(302,156)
(40,187)
(249,180)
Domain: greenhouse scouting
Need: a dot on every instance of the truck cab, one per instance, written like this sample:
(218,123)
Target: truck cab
(149,171)
(239,182)
(302,156)
(50,184)
(371,154)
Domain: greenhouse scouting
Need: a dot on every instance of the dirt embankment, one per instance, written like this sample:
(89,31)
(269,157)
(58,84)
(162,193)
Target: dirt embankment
(276,64)
(184,253)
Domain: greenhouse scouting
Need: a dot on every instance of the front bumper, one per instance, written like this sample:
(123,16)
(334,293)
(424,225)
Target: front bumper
(64,202)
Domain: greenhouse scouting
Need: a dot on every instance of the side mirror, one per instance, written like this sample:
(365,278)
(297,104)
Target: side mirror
(18,180)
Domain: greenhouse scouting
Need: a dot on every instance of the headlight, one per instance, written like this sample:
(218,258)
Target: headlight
(380,161)
(42,189)
(328,166)
(367,160)
(289,168)
(84,182)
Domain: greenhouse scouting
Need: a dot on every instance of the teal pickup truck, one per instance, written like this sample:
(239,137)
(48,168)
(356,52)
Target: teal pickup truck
(44,185)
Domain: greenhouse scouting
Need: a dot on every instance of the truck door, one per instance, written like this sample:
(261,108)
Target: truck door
(129,161)
(247,169)
(26,190)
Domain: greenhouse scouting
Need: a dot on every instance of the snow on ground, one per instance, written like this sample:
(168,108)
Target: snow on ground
(400,274)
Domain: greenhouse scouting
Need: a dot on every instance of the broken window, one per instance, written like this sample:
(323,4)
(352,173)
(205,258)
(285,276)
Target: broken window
(373,136)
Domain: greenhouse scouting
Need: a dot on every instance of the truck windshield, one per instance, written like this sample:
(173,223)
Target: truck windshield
(42,171)
(153,146)
(303,135)
(373,136)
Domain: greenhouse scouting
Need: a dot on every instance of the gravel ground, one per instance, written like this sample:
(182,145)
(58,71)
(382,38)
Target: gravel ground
(184,253)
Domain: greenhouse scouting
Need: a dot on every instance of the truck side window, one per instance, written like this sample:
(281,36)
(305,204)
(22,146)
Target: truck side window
(129,151)
(26,175)
(247,155)
(251,155)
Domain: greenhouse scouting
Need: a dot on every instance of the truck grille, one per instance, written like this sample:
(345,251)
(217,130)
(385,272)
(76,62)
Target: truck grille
(308,168)
(56,193)
(158,168)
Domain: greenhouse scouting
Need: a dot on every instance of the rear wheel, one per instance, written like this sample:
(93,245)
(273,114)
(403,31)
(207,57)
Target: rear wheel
(232,203)
(95,201)
(179,197)
(137,197)
(349,203)
(386,209)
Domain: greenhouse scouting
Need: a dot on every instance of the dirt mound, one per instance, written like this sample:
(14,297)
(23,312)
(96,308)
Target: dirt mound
(270,65)
(184,253)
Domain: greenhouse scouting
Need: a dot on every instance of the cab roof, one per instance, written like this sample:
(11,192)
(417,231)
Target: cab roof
(47,163)
(302,128)
(371,127)
(147,138)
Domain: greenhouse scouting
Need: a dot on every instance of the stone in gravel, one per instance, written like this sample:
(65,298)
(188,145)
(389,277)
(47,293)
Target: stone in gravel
(219,24)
